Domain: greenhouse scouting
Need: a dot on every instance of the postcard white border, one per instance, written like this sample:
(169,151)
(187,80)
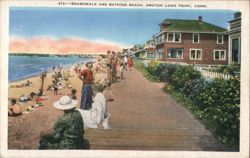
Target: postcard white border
(242,6)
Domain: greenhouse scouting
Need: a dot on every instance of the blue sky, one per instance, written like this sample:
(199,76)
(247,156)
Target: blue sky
(122,26)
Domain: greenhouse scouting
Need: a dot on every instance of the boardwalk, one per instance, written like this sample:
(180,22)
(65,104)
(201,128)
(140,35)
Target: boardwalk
(144,118)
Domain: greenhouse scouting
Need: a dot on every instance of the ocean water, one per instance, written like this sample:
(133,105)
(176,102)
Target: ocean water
(21,67)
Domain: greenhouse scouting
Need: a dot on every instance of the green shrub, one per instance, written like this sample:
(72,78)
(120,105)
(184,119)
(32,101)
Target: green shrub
(193,89)
(182,74)
(220,69)
(164,71)
(220,108)
(230,69)
(168,87)
(152,66)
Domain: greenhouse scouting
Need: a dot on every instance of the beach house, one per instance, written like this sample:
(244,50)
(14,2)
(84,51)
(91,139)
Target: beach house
(234,34)
(148,51)
(192,42)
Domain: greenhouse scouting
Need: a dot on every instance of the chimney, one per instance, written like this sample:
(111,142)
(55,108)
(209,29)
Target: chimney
(200,19)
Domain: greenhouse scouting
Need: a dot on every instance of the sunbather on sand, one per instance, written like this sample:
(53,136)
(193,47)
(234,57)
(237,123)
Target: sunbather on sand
(14,109)
(27,84)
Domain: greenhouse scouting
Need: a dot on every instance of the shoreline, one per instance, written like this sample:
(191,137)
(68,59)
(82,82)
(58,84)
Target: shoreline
(16,89)
(16,92)
(49,70)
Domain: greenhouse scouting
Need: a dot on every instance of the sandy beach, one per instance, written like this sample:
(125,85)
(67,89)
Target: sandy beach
(40,118)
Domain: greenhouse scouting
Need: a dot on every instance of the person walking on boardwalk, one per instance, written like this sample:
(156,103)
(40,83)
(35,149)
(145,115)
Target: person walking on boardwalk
(125,59)
(114,66)
(109,67)
(130,62)
(68,130)
(121,67)
(86,75)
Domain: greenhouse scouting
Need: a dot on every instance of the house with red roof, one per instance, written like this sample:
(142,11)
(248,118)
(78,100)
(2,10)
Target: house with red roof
(149,50)
(191,42)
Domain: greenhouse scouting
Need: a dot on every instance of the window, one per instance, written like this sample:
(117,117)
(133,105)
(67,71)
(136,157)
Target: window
(219,55)
(151,44)
(219,39)
(159,53)
(157,40)
(175,53)
(174,37)
(150,55)
(177,37)
(170,37)
(196,38)
(195,54)
(160,39)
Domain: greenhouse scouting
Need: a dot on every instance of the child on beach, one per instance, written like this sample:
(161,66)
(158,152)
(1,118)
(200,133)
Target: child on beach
(73,94)
(68,83)
(14,109)
(55,88)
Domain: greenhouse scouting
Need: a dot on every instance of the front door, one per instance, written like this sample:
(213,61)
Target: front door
(236,50)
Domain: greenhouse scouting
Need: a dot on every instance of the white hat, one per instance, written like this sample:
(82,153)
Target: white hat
(65,103)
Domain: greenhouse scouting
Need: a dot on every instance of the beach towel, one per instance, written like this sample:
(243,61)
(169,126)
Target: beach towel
(41,98)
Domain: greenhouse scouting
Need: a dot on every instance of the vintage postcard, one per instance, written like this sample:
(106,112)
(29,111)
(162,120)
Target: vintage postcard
(124,78)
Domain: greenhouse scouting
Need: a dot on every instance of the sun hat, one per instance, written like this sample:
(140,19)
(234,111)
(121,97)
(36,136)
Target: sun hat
(65,103)
(99,87)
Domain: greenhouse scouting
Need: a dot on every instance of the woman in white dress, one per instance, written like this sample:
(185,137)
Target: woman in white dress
(97,116)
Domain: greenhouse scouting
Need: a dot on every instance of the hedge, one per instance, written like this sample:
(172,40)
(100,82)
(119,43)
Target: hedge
(216,103)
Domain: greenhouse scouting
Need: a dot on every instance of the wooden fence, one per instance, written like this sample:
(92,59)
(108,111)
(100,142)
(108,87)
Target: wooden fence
(209,75)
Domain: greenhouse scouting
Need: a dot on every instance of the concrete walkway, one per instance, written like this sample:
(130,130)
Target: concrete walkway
(144,118)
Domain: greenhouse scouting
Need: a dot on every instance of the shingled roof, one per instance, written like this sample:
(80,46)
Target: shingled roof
(189,26)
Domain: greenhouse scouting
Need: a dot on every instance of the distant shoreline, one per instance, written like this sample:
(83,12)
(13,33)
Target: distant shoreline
(57,55)
(35,75)
(49,70)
